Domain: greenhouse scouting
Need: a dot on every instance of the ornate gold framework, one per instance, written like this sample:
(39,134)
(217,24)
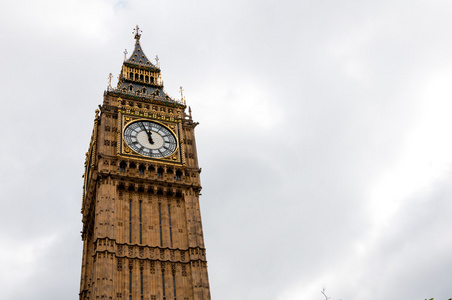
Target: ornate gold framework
(124,151)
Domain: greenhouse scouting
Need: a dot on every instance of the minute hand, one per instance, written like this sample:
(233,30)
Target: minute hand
(147,132)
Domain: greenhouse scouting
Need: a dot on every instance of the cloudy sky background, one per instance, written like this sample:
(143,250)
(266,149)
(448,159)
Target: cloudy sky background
(324,139)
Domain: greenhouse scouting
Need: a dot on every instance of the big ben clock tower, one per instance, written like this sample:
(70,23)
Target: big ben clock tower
(142,233)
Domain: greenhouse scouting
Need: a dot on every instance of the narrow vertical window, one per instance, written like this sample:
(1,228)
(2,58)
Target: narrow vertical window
(122,167)
(141,170)
(130,221)
(170,228)
(141,226)
(130,284)
(141,283)
(163,283)
(174,285)
(160,223)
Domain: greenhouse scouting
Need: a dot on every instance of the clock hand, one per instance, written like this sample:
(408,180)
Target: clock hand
(142,126)
(147,132)
(150,137)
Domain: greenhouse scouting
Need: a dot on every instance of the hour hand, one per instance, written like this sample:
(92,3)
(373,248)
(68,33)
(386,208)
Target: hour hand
(150,137)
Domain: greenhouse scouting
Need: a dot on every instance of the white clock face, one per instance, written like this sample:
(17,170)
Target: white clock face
(150,139)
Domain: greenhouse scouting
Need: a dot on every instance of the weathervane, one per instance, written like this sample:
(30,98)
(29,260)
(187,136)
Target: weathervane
(125,54)
(137,31)
(110,76)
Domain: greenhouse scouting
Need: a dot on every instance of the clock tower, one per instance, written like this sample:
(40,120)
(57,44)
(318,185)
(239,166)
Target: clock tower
(142,233)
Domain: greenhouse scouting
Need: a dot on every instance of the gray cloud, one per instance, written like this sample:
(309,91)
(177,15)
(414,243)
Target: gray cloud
(323,140)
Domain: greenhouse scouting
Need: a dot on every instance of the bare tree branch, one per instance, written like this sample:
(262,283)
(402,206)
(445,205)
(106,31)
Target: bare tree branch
(323,293)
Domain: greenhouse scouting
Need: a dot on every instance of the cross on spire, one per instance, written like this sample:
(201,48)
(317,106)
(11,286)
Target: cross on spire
(125,54)
(137,31)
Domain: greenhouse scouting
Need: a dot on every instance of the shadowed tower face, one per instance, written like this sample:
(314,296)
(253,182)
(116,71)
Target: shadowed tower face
(142,233)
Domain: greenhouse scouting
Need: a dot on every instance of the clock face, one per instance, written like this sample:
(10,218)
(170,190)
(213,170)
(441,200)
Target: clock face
(150,139)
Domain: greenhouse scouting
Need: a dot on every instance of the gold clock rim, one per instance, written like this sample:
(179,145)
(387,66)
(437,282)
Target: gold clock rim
(148,120)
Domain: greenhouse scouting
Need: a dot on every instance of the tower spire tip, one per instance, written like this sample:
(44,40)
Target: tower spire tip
(137,31)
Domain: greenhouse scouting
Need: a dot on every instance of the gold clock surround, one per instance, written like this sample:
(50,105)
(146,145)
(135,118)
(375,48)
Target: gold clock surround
(124,150)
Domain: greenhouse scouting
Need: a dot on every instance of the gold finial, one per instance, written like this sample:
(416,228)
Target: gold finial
(125,54)
(157,61)
(110,76)
(181,91)
(137,31)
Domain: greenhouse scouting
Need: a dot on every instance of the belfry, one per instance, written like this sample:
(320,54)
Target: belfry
(142,233)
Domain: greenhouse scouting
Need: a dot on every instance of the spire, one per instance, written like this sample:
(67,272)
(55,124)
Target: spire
(140,78)
(110,76)
(138,57)
(137,31)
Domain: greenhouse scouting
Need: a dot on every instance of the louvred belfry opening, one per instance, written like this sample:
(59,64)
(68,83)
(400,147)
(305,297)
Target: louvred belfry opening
(142,233)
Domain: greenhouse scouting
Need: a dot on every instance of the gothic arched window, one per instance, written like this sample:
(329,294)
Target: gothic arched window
(160,172)
(141,169)
(122,166)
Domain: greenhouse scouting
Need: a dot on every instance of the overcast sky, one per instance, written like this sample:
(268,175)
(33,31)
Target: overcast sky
(324,139)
